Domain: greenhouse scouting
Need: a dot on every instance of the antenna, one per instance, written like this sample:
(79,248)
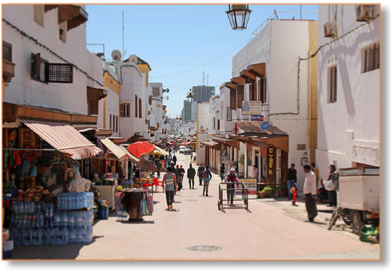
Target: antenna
(203,78)
(207,79)
(123,34)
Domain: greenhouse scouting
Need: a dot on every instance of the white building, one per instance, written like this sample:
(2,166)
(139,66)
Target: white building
(348,112)
(155,111)
(202,130)
(266,74)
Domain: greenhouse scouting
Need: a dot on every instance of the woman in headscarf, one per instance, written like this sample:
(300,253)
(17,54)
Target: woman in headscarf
(79,184)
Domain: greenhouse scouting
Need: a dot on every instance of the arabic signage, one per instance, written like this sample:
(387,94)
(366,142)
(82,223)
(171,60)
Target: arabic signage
(251,184)
(257,117)
(252,108)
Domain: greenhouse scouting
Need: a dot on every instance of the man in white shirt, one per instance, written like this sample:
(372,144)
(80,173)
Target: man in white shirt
(309,191)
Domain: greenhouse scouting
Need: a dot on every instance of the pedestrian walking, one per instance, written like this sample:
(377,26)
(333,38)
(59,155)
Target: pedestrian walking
(231,179)
(169,179)
(206,177)
(334,177)
(310,191)
(316,171)
(159,167)
(174,159)
(222,172)
(190,176)
(199,173)
(291,175)
(181,172)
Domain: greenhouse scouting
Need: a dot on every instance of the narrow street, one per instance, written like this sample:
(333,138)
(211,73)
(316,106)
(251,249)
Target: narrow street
(197,230)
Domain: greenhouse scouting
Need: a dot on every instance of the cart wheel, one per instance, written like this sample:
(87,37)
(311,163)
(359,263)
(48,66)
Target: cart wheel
(346,219)
(333,219)
(357,222)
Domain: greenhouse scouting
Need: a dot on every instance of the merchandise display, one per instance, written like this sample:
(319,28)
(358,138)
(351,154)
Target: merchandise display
(74,200)
(136,203)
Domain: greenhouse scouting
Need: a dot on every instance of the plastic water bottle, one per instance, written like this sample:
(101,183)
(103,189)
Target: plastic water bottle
(46,236)
(79,218)
(79,234)
(56,219)
(55,236)
(64,236)
(71,235)
(71,219)
(40,223)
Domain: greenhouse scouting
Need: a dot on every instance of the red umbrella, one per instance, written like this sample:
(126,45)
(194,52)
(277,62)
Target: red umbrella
(140,148)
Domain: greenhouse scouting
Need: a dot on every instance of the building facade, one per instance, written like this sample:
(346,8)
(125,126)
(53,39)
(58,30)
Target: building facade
(349,97)
(203,93)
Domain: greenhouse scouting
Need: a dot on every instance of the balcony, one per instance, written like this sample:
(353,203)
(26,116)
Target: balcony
(8,71)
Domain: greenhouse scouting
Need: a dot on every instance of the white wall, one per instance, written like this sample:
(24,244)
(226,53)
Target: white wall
(348,130)
(226,126)
(203,116)
(24,90)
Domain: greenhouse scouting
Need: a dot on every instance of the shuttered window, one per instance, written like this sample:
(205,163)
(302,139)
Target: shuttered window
(252,93)
(111,125)
(135,106)
(262,90)
(93,107)
(116,123)
(233,98)
(214,122)
(7,51)
(333,84)
(140,108)
(218,124)
(125,110)
(240,95)
(229,114)
(372,58)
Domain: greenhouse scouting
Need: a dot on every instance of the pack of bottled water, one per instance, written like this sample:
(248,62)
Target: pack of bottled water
(38,223)
(74,200)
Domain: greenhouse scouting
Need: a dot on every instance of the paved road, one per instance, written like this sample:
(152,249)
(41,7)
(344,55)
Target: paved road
(272,229)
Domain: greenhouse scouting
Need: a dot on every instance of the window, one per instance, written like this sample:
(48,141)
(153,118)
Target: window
(229,114)
(38,14)
(111,126)
(332,84)
(93,107)
(218,124)
(262,90)
(116,123)
(135,107)
(125,110)
(7,51)
(240,95)
(252,94)
(214,122)
(232,98)
(140,107)
(46,72)
(371,57)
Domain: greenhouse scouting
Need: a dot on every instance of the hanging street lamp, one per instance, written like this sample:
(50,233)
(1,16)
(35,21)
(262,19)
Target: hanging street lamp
(190,95)
(238,16)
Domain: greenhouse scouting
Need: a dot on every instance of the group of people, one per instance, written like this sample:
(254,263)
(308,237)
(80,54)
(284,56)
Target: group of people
(310,188)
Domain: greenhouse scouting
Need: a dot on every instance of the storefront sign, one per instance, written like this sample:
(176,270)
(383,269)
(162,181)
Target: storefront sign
(251,184)
(271,160)
(265,125)
(257,117)
(252,108)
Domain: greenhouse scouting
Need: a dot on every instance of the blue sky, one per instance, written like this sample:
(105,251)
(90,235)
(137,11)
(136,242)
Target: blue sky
(178,38)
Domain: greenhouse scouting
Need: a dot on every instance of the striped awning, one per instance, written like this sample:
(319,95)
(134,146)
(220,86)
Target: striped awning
(64,138)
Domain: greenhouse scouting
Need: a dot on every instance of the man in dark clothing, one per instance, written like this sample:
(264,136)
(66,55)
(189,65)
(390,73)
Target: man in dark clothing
(334,177)
(291,179)
(190,175)
(159,167)
(174,159)
(199,173)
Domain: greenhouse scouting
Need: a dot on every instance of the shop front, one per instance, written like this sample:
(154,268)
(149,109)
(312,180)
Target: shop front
(229,153)
(41,151)
(212,150)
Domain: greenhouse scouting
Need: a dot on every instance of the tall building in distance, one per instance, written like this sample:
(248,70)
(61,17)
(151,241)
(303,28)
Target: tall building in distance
(203,93)
(186,112)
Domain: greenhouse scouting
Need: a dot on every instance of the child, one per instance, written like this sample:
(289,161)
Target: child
(293,190)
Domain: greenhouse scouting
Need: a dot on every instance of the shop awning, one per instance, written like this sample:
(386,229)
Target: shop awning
(84,128)
(226,141)
(159,151)
(258,70)
(64,138)
(73,14)
(264,139)
(129,155)
(121,155)
(212,145)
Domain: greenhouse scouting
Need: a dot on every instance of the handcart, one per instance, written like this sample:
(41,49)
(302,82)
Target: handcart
(240,194)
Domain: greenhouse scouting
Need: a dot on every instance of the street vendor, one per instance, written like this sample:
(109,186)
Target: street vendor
(96,180)
(79,184)
(231,179)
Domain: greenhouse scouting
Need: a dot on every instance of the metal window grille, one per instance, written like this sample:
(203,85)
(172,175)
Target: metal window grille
(229,114)
(333,85)
(60,73)
(136,108)
(372,58)
(140,107)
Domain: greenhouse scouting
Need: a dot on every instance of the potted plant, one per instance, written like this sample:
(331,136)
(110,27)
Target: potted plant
(268,191)
(261,194)
(282,191)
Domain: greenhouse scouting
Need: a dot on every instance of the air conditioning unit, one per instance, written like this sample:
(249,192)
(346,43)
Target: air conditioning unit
(364,12)
(329,29)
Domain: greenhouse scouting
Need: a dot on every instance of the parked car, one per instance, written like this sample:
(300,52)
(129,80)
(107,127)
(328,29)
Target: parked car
(187,151)
(182,149)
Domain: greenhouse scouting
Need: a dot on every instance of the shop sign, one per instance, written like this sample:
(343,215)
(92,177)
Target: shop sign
(265,125)
(257,117)
(252,108)
(251,184)
(271,160)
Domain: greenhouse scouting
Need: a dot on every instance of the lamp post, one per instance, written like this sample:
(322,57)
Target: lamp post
(238,16)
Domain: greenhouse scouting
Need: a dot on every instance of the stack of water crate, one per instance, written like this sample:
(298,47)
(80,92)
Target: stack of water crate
(38,223)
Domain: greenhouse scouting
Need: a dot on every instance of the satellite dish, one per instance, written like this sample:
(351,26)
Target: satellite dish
(116,54)
(133,58)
